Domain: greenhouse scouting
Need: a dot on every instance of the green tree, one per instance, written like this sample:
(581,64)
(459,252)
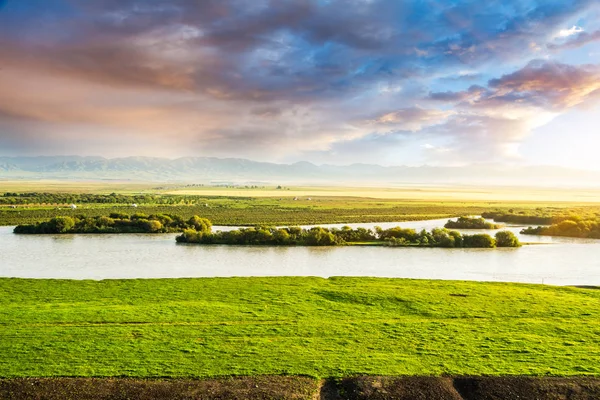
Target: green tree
(200,224)
(481,240)
(61,224)
(281,236)
(105,222)
(152,226)
(457,238)
(507,239)
(320,237)
(188,236)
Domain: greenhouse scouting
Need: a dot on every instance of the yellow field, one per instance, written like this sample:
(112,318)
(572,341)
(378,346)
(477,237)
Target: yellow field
(429,193)
(409,193)
(56,186)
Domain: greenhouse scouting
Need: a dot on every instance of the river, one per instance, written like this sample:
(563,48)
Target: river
(558,261)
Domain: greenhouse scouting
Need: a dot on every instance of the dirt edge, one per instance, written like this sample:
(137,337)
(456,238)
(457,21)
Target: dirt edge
(304,388)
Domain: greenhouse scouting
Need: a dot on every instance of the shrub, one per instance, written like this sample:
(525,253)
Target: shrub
(481,240)
(507,239)
(61,224)
(200,224)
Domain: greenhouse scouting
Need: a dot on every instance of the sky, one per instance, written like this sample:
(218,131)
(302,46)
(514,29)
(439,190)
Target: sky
(391,82)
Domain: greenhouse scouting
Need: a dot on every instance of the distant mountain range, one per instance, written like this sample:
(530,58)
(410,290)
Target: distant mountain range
(233,170)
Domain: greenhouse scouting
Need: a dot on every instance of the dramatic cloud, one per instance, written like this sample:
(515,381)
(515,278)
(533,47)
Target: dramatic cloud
(491,121)
(289,79)
(549,85)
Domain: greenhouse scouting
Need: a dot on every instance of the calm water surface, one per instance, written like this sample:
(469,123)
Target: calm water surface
(560,261)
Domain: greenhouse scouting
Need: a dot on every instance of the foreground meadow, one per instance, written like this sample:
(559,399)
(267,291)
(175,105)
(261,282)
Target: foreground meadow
(295,326)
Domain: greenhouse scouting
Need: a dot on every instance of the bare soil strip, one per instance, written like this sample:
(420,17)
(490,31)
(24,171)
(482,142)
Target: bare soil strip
(282,387)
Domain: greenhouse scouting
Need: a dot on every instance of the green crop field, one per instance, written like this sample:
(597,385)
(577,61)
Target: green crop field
(295,326)
(256,212)
(279,211)
(26,202)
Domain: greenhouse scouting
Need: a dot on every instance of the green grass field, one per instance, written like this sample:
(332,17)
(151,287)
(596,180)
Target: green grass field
(259,211)
(286,211)
(295,326)
(296,206)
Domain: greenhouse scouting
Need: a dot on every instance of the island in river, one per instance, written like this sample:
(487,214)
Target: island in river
(199,230)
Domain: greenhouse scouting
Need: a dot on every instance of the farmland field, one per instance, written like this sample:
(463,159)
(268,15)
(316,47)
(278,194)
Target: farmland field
(264,211)
(394,191)
(269,211)
(270,206)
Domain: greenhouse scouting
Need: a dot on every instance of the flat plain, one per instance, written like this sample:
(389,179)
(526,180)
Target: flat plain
(295,326)
(394,191)
(288,205)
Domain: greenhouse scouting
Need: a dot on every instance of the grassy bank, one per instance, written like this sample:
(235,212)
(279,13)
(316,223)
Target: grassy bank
(295,326)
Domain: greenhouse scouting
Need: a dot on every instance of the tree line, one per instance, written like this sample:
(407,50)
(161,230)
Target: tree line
(199,230)
(319,236)
(520,218)
(589,229)
(30,198)
(579,223)
(115,223)
(471,223)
